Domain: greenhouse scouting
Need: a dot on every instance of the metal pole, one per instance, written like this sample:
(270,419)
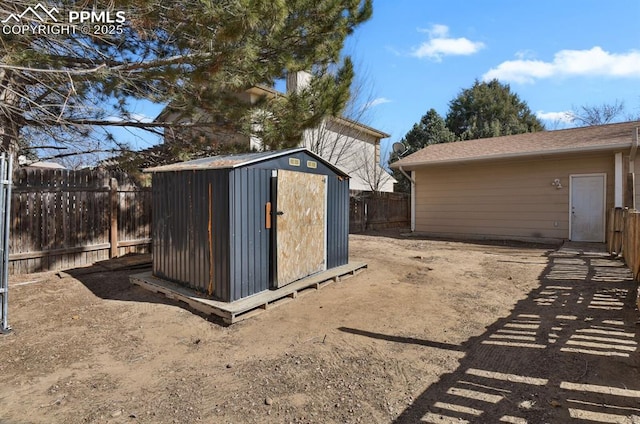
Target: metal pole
(6,175)
(3,288)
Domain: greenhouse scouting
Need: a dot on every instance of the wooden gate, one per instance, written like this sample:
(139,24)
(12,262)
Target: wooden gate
(300,244)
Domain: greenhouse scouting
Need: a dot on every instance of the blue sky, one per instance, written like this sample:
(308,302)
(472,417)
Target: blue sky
(414,55)
(555,54)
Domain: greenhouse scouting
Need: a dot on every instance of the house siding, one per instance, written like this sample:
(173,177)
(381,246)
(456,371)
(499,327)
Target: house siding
(354,151)
(503,199)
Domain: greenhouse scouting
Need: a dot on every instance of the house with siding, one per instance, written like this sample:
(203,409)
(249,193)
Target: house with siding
(350,145)
(549,185)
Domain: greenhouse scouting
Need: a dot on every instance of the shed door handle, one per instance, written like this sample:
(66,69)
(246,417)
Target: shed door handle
(279,213)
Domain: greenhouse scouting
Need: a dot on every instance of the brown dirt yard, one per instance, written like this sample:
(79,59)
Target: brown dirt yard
(433,331)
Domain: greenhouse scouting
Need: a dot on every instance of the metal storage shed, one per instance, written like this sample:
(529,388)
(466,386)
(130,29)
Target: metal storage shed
(236,225)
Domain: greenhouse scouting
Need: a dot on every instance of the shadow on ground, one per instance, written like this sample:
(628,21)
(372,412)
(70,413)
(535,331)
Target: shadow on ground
(567,353)
(407,234)
(109,280)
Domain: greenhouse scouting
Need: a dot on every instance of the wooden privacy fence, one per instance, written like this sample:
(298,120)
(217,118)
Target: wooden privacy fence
(375,211)
(62,219)
(623,237)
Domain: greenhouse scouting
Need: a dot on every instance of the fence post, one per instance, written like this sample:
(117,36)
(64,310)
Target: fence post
(365,213)
(113,227)
(6,175)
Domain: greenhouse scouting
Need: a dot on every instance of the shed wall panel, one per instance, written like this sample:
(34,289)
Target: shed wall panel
(337,221)
(503,199)
(249,192)
(183,249)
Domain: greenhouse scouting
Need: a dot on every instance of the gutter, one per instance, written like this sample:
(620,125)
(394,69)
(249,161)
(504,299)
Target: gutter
(518,155)
(406,175)
(632,166)
(634,146)
(413,198)
(360,127)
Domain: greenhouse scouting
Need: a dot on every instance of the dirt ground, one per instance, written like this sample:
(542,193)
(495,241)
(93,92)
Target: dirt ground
(438,331)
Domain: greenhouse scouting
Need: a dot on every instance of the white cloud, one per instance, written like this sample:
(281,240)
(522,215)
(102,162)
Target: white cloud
(376,102)
(436,31)
(593,62)
(525,54)
(521,71)
(440,44)
(562,117)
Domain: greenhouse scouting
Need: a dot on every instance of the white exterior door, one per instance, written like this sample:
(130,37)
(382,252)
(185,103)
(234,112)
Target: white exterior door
(587,207)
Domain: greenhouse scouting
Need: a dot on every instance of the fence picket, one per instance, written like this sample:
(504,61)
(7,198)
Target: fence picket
(375,211)
(61,219)
(623,237)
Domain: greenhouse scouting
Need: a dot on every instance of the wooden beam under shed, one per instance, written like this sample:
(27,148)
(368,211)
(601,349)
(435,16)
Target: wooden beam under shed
(241,309)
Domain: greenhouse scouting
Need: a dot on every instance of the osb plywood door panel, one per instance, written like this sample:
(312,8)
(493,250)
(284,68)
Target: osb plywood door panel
(300,238)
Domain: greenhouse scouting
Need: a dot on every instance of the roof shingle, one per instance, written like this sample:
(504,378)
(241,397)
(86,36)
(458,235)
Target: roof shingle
(583,139)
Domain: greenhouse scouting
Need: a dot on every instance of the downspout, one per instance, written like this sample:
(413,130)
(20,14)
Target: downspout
(618,176)
(413,198)
(406,175)
(632,166)
(634,146)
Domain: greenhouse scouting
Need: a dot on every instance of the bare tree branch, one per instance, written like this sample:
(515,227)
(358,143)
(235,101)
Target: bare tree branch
(597,115)
(61,88)
(54,71)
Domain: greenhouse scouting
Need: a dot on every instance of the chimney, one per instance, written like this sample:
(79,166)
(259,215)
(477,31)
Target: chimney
(297,81)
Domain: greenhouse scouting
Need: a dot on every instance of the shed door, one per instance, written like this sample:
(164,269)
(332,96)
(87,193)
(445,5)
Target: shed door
(587,207)
(300,227)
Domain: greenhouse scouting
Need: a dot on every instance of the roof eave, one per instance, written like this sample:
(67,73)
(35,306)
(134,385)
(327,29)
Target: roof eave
(276,154)
(262,89)
(518,155)
(361,127)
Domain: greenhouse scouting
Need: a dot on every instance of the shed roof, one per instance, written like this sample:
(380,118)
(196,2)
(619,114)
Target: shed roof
(573,140)
(239,160)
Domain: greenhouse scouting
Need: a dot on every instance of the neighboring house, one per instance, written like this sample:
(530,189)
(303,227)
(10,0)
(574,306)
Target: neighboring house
(354,148)
(351,146)
(546,185)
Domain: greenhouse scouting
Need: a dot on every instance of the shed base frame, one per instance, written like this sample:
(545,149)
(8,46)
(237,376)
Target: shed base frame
(232,312)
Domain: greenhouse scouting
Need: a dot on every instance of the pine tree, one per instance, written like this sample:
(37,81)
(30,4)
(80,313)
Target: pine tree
(58,89)
(490,109)
(430,130)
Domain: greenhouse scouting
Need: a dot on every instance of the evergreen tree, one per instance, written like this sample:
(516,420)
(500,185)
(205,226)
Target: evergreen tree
(430,130)
(57,88)
(490,109)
